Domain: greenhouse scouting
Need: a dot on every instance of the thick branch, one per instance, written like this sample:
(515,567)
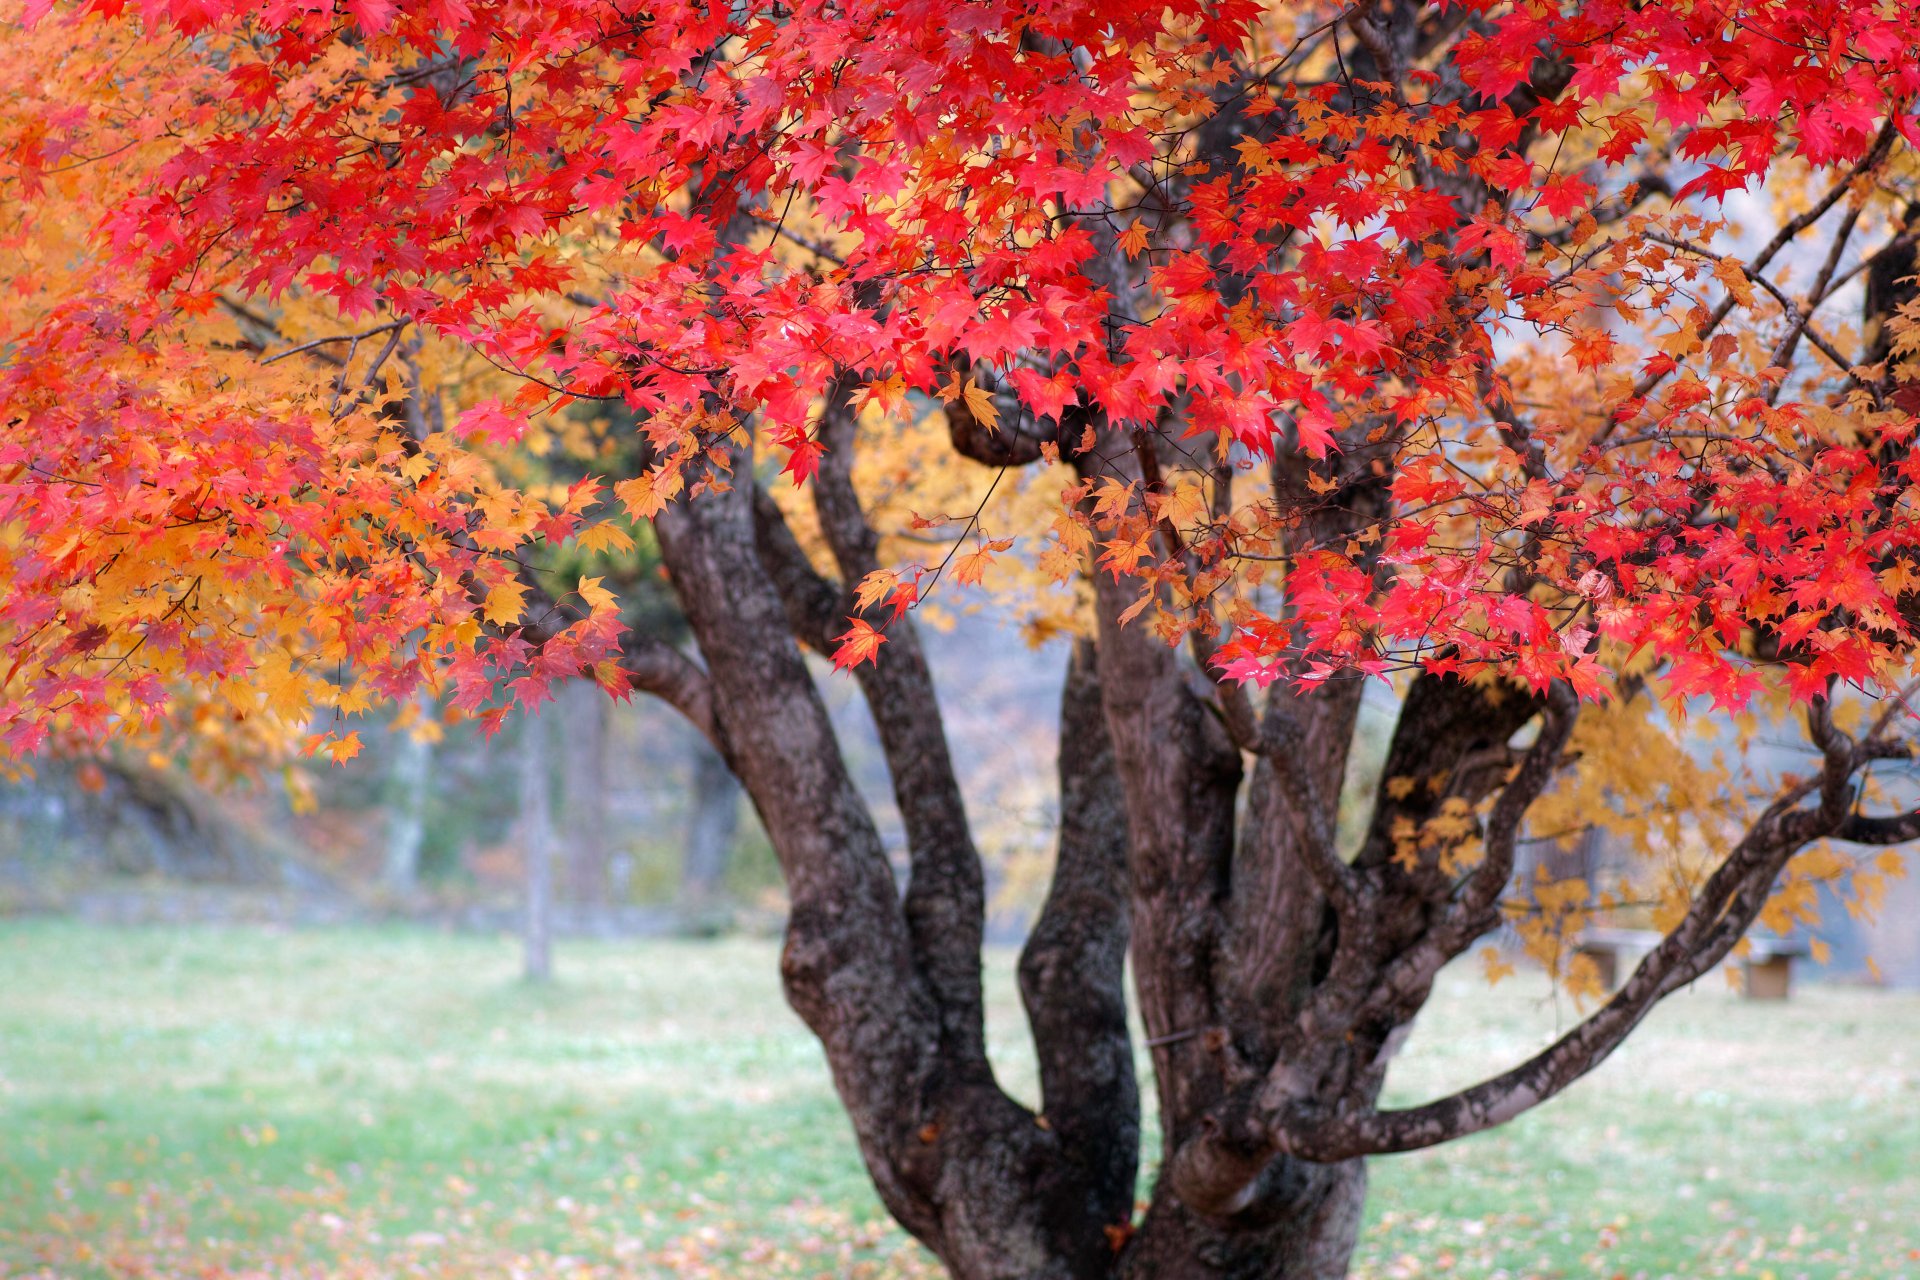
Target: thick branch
(1072,969)
(1450,740)
(1180,774)
(1537,768)
(1003,445)
(1402,987)
(847,946)
(1893,829)
(946,895)
(814,605)
(1721,912)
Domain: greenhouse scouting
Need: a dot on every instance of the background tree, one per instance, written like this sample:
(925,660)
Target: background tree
(583,774)
(1357,341)
(713,823)
(536,846)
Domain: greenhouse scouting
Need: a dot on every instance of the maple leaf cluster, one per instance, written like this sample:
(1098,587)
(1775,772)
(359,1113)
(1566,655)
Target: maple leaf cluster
(709,216)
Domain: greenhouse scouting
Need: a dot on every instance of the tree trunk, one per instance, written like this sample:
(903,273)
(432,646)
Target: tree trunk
(713,821)
(890,981)
(536,836)
(1308,1232)
(584,782)
(407,812)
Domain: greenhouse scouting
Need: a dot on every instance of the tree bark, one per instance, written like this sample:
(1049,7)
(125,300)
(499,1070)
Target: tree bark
(996,1191)
(1307,1231)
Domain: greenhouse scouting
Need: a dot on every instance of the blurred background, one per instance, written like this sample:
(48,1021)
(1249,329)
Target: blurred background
(649,833)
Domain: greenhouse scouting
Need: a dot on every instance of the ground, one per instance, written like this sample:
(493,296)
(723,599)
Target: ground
(359,1103)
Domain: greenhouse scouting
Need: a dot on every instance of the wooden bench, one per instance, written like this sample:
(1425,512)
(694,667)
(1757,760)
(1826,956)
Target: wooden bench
(1603,947)
(1766,970)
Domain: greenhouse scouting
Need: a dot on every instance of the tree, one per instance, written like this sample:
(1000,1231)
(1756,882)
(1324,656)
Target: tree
(583,771)
(713,822)
(1454,346)
(410,783)
(536,848)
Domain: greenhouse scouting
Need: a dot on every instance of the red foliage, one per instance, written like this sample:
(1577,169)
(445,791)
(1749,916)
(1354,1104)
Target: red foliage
(602,198)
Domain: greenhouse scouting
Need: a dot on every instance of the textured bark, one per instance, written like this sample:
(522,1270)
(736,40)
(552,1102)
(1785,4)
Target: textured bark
(1180,776)
(946,890)
(1306,1231)
(1072,969)
(994,1192)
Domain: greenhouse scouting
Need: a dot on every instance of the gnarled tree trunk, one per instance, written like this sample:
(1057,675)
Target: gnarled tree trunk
(891,983)
(1276,976)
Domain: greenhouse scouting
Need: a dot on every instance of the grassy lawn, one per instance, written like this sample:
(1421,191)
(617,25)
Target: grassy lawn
(393,1102)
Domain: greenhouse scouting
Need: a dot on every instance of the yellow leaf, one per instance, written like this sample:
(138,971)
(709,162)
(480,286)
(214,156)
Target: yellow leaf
(501,509)
(888,393)
(596,596)
(505,602)
(1899,578)
(1185,506)
(354,700)
(981,405)
(604,537)
(1729,273)
(875,587)
(343,749)
(645,495)
(969,568)
(1496,965)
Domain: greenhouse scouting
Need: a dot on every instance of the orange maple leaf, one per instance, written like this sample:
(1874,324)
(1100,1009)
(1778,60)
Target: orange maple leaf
(859,643)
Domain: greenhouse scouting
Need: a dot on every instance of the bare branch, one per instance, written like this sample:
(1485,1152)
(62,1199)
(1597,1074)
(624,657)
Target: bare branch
(1721,912)
(1876,155)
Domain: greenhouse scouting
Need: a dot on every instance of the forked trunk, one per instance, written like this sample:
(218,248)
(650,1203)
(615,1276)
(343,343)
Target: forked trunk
(891,983)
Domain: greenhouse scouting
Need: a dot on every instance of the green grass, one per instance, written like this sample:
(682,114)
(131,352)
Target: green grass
(395,1102)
